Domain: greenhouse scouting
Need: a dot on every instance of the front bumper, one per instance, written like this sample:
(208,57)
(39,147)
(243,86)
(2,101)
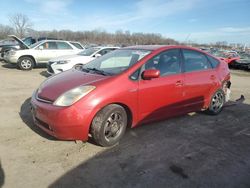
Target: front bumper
(65,123)
(10,59)
(54,68)
(49,68)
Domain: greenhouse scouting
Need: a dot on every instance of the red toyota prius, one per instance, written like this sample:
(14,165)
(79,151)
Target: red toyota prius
(129,87)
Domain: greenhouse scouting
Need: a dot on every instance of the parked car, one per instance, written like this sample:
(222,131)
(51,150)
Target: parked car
(128,87)
(40,52)
(64,63)
(15,44)
(228,57)
(243,62)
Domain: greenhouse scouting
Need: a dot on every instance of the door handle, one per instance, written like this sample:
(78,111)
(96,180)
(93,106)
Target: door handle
(212,77)
(179,83)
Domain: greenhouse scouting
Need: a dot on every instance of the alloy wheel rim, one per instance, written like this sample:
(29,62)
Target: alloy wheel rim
(113,126)
(26,64)
(217,102)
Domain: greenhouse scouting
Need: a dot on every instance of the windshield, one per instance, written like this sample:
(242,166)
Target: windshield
(28,41)
(117,61)
(89,51)
(35,44)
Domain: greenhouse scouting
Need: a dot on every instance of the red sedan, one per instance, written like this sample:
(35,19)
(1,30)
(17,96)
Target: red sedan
(128,87)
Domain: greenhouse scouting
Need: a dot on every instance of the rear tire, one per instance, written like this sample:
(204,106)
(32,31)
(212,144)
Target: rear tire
(109,125)
(26,63)
(217,102)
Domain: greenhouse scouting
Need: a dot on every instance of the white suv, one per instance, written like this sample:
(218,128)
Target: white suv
(40,52)
(64,63)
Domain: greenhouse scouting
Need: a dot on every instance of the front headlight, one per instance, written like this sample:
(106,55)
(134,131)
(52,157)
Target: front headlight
(70,97)
(12,52)
(63,62)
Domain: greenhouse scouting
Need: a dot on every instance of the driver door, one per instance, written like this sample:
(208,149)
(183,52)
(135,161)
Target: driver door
(161,97)
(46,51)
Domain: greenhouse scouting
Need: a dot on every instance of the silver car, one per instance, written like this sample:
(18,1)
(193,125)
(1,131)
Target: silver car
(40,52)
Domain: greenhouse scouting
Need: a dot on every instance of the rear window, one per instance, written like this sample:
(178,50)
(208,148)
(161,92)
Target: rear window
(195,61)
(63,46)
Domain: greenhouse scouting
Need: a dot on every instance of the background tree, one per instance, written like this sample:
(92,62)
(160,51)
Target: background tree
(5,31)
(21,23)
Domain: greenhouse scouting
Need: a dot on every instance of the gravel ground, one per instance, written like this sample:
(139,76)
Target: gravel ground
(194,150)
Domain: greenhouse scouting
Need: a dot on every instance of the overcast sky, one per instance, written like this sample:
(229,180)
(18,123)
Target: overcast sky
(196,20)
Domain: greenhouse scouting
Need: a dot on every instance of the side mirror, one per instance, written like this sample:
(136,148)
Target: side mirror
(150,73)
(40,47)
(97,55)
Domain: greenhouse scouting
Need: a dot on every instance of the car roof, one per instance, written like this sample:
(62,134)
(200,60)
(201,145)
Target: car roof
(146,47)
(106,47)
(159,47)
(74,42)
(48,40)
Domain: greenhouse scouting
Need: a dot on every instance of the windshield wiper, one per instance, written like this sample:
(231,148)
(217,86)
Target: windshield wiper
(98,71)
(84,69)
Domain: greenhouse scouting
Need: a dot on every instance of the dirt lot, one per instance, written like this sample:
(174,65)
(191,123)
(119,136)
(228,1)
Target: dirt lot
(195,150)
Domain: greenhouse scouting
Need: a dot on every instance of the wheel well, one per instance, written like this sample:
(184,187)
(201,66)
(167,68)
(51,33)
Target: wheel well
(129,113)
(29,57)
(127,109)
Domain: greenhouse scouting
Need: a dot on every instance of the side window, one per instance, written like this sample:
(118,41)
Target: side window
(63,46)
(195,61)
(135,75)
(49,46)
(213,61)
(167,62)
(76,45)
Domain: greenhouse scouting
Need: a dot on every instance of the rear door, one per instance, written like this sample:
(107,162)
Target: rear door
(161,97)
(199,79)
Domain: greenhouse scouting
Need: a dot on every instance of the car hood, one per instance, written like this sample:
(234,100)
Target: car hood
(20,42)
(53,87)
(74,57)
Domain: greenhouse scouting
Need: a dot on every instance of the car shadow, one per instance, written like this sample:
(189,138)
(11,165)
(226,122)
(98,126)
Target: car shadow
(26,116)
(41,66)
(14,66)
(45,74)
(2,176)
(194,150)
(9,66)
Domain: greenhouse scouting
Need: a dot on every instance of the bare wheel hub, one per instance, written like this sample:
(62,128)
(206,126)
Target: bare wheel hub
(217,101)
(113,126)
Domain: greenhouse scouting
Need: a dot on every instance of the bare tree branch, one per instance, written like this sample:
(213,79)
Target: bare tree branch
(5,31)
(21,24)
